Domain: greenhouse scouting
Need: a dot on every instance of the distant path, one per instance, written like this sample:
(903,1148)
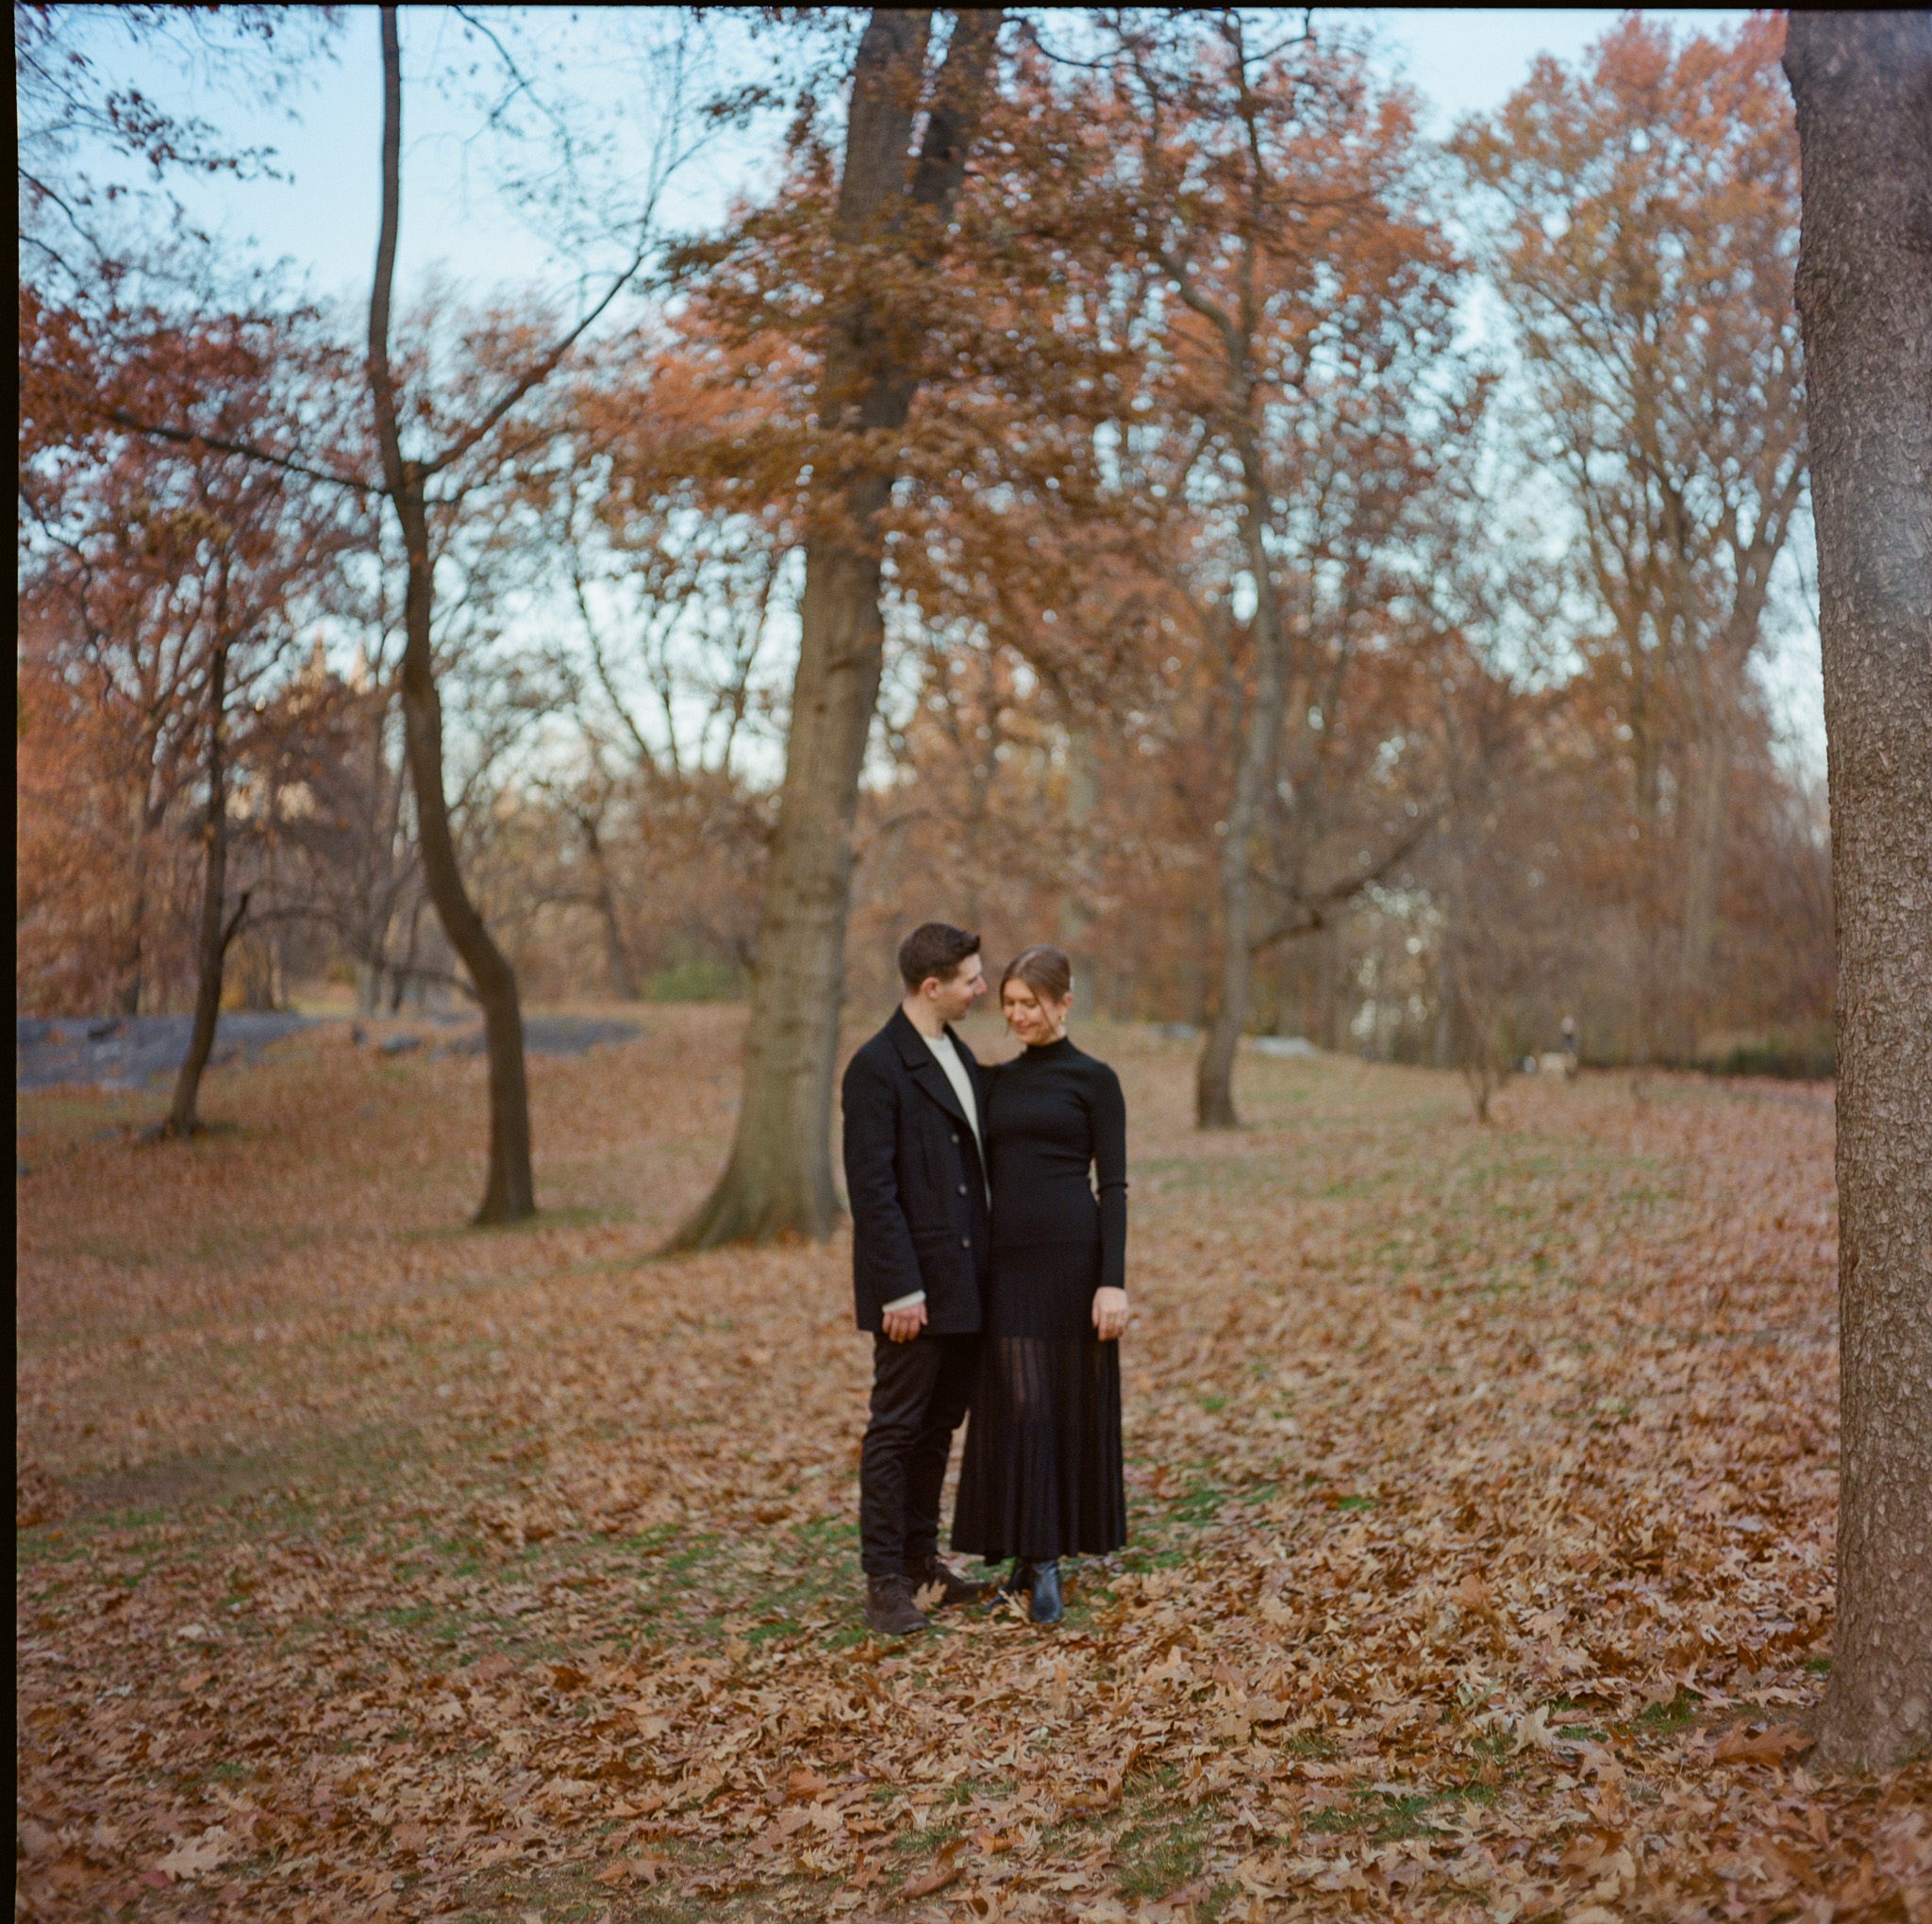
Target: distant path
(129,1051)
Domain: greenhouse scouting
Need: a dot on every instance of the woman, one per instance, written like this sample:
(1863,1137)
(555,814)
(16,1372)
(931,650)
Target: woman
(1041,1477)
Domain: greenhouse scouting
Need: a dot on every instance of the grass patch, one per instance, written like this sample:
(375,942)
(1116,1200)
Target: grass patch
(1197,1506)
(1161,1855)
(1667,1719)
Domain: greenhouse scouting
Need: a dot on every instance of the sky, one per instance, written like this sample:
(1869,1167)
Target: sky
(465,219)
(1462,61)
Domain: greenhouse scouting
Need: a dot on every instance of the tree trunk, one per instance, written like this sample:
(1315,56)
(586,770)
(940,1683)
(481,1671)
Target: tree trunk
(212,946)
(1253,780)
(1704,870)
(620,978)
(509,1194)
(134,955)
(1863,86)
(128,1000)
(1083,797)
(779,1177)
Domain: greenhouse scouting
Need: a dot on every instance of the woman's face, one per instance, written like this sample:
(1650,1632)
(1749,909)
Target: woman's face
(1033,1018)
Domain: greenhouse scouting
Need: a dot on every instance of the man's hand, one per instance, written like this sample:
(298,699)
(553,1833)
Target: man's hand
(902,1325)
(1109,1313)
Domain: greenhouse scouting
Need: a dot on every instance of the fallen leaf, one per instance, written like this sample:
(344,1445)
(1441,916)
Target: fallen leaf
(945,1872)
(36,1839)
(213,1847)
(1533,1731)
(1769,1745)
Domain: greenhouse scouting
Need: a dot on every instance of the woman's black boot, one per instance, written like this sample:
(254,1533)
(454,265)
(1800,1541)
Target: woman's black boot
(1016,1580)
(1046,1606)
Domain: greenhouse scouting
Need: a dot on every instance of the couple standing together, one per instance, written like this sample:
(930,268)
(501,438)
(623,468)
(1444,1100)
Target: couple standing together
(989,1267)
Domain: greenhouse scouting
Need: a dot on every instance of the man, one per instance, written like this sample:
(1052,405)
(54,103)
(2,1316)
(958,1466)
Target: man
(920,1235)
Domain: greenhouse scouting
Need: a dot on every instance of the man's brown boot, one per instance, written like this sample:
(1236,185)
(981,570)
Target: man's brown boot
(890,1608)
(953,1587)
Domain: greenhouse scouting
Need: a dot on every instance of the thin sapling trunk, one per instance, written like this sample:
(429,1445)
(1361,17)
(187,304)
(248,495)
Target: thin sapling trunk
(510,1193)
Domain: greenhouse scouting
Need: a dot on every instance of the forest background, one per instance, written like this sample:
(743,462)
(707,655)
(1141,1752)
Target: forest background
(1505,424)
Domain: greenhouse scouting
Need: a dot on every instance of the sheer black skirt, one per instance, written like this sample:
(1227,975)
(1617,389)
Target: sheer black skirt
(1042,1472)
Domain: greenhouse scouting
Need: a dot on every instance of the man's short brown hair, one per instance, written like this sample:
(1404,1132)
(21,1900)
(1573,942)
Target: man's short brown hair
(934,949)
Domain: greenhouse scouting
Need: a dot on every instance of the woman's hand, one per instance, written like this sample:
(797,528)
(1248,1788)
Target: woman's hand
(1109,1313)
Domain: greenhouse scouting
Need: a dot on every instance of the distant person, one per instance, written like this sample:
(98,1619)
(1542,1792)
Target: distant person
(921,1238)
(1041,1476)
(1569,1044)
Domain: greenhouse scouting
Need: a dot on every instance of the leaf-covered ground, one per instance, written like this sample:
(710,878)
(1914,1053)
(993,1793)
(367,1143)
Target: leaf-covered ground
(1481,1486)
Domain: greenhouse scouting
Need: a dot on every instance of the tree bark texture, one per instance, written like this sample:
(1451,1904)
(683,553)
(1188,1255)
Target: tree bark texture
(212,942)
(510,1192)
(779,1178)
(1254,781)
(1863,86)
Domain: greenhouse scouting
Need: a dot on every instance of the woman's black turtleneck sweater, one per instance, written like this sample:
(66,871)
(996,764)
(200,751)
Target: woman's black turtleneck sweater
(1053,1114)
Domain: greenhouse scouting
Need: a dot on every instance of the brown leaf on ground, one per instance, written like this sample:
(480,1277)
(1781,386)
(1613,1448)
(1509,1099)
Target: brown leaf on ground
(946,1871)
(1770,1745)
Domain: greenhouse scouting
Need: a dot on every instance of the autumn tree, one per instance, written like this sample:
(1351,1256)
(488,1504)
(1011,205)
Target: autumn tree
(167,575)
(329,836)
(1644,244)
(1301,296)
(886,232)
(1863,87)
(104,757)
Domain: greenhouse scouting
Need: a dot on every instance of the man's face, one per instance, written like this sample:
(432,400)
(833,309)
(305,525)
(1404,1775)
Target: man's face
(954,998)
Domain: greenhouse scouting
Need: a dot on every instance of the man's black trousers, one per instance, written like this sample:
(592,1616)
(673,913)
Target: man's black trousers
(919,1395)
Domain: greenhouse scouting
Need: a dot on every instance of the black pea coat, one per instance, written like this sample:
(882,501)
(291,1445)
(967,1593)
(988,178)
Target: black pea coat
(917,1189)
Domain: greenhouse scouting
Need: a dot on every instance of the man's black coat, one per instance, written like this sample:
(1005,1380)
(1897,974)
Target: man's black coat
(912,1171)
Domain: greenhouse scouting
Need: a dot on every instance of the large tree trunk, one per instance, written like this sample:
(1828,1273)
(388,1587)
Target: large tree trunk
(212,944)
(779,1177)
(1863,85)
(509,1193)
(1261,754)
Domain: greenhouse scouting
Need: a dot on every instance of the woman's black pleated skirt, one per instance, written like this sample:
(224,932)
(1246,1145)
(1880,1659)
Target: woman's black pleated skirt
(1042,1473)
